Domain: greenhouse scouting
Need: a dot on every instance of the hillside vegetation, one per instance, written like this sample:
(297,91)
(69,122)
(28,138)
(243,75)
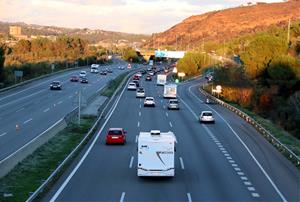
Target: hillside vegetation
(223,25)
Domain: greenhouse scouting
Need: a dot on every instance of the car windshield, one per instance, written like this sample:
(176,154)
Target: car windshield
(115,132)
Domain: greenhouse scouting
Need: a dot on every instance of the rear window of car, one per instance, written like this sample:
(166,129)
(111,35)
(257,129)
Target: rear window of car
(173,101)
(115,132)
(55,83)
(207,114)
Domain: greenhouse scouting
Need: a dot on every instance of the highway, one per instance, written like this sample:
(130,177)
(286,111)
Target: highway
(225,161)
(28,110)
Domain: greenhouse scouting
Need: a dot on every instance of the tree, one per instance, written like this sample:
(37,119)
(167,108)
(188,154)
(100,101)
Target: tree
(192,63)
(260,52)
(130,54)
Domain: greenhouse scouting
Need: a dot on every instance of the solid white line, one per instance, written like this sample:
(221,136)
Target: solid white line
(131,162)
(138,125)
(248,150)
(20,109)
(136,139)
(62,187)
(170,124)
(28,121)
(167,114)
(46,110)
(181,163)
(122,197)
(3,134)
(189,197)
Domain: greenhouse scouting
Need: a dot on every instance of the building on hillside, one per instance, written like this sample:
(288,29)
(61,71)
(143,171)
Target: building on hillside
(15,30)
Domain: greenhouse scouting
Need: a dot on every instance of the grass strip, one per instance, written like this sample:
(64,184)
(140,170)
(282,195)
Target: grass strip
(29,174)
(112,86)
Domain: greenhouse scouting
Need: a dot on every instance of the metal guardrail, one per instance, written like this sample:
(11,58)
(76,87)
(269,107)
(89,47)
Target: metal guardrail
(83,141)
(273,140)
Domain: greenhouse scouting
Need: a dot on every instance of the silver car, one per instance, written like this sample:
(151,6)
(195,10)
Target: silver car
(140,92)
(206,117)
(149,101)
(173,104)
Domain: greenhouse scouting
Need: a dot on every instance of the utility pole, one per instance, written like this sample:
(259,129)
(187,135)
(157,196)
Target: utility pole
(288,34)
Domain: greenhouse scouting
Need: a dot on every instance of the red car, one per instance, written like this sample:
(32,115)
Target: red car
(136,77)
(74,78)
(116,136)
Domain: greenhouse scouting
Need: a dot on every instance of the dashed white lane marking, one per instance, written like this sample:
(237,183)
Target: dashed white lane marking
(240,173)
(140,99)
(251,188)
(189,197)
(138,125)
(25,122)
(60,102)
(256,195)
(181,163)
(237,169)
(161,101)
(140,106)
(136,139)
(170,124)
(70,96)
(131,162)
(244,178)
(45,110)
(140,113)
(3,134)
(20,109)
(247,183)
(167,114)
(122,197)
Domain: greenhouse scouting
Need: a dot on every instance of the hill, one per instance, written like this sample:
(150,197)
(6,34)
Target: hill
(93,36)
(226,24)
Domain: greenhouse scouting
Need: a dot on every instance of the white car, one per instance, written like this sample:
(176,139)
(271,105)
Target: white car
(206,116)
(139,74)
(131,86)
(140,92)
(149,101)
(82,74)
(151,73)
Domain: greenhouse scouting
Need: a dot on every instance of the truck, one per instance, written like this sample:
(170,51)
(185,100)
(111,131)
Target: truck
(156,154)
(161,79)
(170,91)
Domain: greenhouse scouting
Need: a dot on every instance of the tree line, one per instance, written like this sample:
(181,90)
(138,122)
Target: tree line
(37,57)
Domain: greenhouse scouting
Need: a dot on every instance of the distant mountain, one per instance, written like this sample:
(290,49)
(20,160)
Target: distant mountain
(226,24)
(93,36)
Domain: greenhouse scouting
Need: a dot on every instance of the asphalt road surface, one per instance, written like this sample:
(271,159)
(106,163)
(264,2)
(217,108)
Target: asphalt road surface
(225,161)
(27,111)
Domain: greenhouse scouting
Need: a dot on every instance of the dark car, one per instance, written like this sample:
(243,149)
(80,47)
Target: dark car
(136,82)
(103,72)
(55,85)
(74,78)
(84,80)
(115,136)
(109,70)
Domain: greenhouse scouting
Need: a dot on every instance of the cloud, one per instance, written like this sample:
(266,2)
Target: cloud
(134,16)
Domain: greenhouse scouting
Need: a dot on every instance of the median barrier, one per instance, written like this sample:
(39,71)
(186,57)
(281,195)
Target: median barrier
(8,163)
(274,141)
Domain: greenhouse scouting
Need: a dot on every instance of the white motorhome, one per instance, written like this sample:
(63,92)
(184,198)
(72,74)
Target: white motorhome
(170,91)
(161,79)
(156,154)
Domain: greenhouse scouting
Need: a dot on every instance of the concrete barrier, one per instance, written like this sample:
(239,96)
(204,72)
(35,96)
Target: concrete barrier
(12,160)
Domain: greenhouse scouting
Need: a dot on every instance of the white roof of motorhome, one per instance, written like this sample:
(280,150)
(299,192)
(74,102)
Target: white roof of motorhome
(156,136)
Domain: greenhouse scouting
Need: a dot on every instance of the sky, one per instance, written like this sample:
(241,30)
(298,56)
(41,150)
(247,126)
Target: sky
(131,16)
